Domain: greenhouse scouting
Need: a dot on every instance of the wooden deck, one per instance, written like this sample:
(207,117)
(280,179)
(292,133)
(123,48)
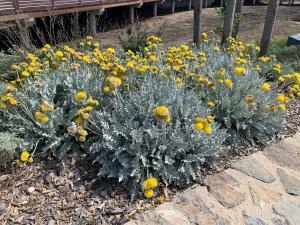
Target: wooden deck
(11,10)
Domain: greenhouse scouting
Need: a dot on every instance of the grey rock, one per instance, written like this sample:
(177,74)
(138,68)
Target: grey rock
(290,183)
(190,196)
(221,186)
(150,218)
(290,211)
(285,153)
(253,168)
(249,220)
(220,179)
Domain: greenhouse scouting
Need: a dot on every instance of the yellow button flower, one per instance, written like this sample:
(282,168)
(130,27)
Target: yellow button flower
(80,96)
(24,156)
(265,87)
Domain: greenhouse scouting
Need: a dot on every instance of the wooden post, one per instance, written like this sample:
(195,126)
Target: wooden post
(131,14)
(268,27)
(205,3)
(173,6)
(197,21)
(23,26)
(155,9)
(253,2)
(92,23)
(190,5)
(221,3)
(228,20)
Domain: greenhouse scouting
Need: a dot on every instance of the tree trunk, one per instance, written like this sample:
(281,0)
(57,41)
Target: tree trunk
(268,27)
(228,20)
(197,21)
(238,16)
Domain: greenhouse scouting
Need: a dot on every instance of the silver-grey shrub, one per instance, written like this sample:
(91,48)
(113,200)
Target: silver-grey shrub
(132,145)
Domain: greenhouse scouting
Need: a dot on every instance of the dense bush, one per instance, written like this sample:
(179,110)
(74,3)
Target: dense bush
(135,143)
(139,115)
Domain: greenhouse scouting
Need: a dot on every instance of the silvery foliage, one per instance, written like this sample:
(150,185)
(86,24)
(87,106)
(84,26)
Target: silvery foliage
(244,123)
(132,145)
(58,88)
(8,144)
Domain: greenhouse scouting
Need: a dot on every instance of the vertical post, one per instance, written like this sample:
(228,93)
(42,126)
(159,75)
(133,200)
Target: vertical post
(253,2)
(23,26)
(173,6)
(155,9)
(197,21)
(190,5)
(205,3)
(268,27)
(228,20)
(221,3)
(92,23)
(131,14)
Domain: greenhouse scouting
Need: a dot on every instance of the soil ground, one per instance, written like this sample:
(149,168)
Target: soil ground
(179,26)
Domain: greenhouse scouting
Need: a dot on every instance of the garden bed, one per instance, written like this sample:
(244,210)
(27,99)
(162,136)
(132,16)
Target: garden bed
(128,125)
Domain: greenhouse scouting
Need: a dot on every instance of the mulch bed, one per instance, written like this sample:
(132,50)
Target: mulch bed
(47,193)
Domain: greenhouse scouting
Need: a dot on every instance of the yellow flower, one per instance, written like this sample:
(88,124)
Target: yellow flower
(106,90)
(86,59)
(216,49)
(281,98)
(40,117)
(228,83)
(80,96)
(198,126)
(281,79)
(82,139)
(150,183)
(265,87)
(19,163)
(149,193)
(282,107)
(210,104)
(207,130)
(162,113)
(239,70)
(59,54)
(153,58)
(30,160)
(210,119)
(24,156)
(83,132)
(25,73)
(114,81)
(79,120)
(221,73)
